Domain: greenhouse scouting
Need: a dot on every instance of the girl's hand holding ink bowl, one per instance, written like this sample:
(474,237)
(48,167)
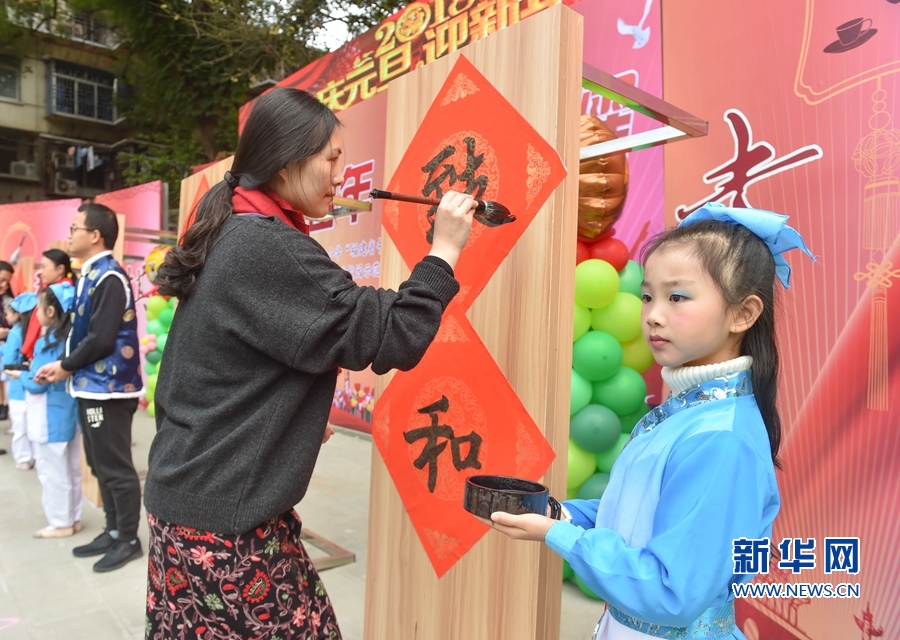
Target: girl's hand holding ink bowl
(513,506)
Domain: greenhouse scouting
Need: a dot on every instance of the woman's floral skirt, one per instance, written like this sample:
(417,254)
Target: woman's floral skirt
(260,584)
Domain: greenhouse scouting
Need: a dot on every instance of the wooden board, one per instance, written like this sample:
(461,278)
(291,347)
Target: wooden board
(501,589)
(202,180)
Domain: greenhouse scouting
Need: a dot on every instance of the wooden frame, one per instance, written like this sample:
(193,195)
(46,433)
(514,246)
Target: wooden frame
(501,589)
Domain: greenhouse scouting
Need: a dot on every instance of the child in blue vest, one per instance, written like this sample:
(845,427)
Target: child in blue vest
(18,314)
(53,418)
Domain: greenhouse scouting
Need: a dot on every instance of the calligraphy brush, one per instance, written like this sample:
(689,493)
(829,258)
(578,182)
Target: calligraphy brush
(488,212)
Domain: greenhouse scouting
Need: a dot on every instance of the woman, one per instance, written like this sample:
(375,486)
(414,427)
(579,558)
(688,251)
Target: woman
(55,268)
(244,391)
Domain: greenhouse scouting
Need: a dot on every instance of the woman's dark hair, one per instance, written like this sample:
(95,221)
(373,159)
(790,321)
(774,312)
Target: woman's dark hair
(5,266)
(286,126)
(61,259)
(62,322)
(99,217)
(741,265)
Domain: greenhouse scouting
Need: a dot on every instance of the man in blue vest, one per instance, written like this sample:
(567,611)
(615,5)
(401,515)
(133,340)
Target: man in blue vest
(102,364)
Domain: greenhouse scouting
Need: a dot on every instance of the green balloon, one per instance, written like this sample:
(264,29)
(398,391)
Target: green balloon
(580,396)
(586,589)
(593,487)
(637,355)
(571,493)
(581,466)
(567,570)
(151,409)
(624,392)
(595,428)
(621,318)
(582,321)
(172,302)
(596,283)
(151,382)
(165,317)
(606,459)
(150,368)
(156,304)
(153,356)
(630,278)
(161,341)
(596,355)
(155,327)
(632,418)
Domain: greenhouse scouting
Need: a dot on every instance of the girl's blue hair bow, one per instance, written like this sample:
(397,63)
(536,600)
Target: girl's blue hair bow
(771,228)
(65,293)
(24,302)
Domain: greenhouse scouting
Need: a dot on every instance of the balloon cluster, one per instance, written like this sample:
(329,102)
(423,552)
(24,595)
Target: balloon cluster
(608,357)
(160,312)
(360,401)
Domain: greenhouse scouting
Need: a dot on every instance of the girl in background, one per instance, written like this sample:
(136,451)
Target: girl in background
(52,419)
(698,473)
(6,296)
(18,313)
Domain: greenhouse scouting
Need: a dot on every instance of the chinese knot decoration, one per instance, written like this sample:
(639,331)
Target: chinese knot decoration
(456,414)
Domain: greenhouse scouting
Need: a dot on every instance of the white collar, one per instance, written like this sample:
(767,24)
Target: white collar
(682,378)
(87,263)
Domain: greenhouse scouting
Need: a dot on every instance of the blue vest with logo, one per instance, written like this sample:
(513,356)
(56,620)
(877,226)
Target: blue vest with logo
(118,375)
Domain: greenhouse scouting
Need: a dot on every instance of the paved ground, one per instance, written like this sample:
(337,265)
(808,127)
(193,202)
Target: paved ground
(46,593)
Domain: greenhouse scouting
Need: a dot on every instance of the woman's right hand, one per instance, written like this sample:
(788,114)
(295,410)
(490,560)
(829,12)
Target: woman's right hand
(452,225)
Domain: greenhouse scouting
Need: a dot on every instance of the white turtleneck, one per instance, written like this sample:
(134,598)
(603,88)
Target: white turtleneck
(681,378)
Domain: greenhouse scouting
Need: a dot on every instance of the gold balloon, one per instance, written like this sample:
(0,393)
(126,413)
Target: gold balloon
(602,182)
(154,261)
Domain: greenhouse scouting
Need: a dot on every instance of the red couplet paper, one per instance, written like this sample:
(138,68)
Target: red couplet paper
(453,416)
(471,140)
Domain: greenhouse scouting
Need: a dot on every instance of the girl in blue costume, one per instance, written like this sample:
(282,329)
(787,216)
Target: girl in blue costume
(699,470)
(18,314)
(53,418)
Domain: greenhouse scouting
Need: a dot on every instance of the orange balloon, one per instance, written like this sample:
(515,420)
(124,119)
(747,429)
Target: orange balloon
(602,182)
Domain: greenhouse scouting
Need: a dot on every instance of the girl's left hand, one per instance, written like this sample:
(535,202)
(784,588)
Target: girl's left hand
(528,526)
(12,373)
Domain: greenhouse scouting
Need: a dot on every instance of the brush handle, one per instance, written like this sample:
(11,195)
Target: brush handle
(402,197)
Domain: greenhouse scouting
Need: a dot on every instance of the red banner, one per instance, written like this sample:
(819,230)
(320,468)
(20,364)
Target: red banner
(416,35)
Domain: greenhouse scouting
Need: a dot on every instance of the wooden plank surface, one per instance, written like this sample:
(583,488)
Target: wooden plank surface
(190,185)
(501,589)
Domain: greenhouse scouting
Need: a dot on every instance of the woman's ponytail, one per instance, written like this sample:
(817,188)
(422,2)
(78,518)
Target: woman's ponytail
(178,273)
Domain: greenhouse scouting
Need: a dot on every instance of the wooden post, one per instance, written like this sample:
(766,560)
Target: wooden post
(501,589)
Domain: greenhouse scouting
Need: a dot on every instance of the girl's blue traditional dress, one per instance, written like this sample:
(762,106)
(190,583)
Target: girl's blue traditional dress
(696,475)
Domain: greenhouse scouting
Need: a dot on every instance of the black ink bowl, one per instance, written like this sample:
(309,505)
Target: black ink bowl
(486,494)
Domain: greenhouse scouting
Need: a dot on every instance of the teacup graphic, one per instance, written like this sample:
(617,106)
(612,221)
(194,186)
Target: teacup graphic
(852,34)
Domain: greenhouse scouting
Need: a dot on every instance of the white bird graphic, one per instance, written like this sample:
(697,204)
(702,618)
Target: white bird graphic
(641,34)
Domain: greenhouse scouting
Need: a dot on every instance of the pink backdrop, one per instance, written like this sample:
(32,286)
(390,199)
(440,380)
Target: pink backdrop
(806,125)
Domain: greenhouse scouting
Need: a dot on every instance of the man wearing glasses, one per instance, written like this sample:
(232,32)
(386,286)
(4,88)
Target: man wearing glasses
(103,368)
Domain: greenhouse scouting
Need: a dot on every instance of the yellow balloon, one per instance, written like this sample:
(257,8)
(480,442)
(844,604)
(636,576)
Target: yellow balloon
(154,261)
(636,354)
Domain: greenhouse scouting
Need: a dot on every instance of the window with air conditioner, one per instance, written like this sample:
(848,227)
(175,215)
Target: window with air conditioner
(82,92)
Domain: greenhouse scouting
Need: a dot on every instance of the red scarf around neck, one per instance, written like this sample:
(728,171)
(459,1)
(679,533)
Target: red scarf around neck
(267,203)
